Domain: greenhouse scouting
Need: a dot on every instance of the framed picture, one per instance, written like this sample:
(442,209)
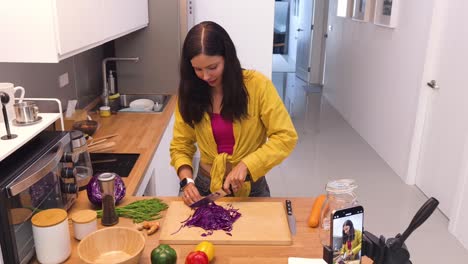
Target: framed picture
(344,8)
(362,10)
(386,13)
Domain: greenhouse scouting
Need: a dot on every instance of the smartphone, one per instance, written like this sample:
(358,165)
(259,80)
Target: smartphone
(346,236)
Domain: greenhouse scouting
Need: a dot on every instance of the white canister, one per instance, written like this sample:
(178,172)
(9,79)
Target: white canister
(10,89)
(51,235)
(84,223)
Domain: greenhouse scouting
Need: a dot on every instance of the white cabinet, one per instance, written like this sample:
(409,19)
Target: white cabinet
(52,30)
(166,181)
(160,178)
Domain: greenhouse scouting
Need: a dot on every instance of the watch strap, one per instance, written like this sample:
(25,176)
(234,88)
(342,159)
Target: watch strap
(184,182)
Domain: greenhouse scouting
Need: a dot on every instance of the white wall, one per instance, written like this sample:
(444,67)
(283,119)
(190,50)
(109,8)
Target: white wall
(249,24)
(373,77)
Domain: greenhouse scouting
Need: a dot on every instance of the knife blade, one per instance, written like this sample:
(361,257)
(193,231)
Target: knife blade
(215,196)
(291,218)
(209,198)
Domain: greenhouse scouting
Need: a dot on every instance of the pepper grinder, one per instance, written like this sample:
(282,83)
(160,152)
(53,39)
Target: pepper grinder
(5,98)
(109,214)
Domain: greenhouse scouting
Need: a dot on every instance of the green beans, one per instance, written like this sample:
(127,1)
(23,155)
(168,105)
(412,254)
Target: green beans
(141,210)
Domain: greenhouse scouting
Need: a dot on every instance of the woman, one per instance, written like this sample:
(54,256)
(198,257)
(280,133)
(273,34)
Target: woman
(352,242)
(229,113)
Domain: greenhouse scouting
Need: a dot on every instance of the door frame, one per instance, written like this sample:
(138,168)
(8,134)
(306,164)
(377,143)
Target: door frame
(460,206)
(317,42)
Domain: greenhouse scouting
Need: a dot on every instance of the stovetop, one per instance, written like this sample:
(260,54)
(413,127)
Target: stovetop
(119,163)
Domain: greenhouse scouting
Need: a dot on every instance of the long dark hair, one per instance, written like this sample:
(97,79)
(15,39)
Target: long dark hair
(349,237)
(194,93)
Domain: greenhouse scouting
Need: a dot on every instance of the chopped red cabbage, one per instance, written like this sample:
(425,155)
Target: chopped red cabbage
(213,217)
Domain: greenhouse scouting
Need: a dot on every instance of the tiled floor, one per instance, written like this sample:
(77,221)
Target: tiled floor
(329,149)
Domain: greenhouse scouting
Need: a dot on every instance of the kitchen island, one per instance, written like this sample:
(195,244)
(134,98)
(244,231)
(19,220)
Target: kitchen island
(141,133)
(306,243)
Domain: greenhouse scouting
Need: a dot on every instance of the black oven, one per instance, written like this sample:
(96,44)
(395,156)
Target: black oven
(38,176)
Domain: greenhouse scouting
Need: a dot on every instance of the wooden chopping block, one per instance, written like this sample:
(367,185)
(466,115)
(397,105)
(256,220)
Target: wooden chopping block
(261,223)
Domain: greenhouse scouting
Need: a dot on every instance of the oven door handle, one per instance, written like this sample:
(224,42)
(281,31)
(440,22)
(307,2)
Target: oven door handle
(38,170)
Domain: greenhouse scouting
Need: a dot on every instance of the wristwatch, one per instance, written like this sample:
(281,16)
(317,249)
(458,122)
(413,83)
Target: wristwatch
(184,182)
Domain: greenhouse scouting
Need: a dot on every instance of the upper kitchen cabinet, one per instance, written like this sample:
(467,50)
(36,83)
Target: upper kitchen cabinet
(52,30)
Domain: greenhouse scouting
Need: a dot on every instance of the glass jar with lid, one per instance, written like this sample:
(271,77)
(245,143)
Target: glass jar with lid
(340,195)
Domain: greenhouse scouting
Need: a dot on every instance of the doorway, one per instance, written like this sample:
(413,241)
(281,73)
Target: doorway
(298,48)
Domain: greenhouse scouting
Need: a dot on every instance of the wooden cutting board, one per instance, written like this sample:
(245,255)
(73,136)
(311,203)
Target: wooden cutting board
(261,223)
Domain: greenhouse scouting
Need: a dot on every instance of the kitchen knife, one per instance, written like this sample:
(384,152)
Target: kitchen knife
(291,218)
(215,196)
(209,198)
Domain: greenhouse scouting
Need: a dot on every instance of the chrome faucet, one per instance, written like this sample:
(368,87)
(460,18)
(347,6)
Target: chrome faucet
(105,87)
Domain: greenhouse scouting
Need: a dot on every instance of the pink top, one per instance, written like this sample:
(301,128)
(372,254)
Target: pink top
(223,133)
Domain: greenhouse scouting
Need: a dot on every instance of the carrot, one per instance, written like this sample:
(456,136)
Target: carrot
(314,217)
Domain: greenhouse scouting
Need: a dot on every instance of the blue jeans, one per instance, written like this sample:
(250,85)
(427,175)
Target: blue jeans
(258,189)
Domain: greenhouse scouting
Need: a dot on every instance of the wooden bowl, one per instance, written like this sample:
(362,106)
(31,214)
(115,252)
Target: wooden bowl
(86,126)
(112,245)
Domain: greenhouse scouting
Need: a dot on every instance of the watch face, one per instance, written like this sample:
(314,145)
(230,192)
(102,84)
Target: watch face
(183,183)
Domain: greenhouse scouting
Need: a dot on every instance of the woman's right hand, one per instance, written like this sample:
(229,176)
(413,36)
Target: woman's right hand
(191,194)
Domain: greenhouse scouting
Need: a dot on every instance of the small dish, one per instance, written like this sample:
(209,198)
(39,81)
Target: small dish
(17,123)
(145,104)
(86,126)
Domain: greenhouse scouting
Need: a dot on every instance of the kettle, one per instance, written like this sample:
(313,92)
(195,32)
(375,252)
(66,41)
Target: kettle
(83,167)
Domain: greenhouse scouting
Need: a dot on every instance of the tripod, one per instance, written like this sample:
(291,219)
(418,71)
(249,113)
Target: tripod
(392,250)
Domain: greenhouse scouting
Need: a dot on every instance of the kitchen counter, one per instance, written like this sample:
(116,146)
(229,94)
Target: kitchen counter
(141,133)
(306,242)
(137,133)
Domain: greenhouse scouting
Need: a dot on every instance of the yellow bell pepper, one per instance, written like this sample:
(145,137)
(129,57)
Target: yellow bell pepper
(207,248)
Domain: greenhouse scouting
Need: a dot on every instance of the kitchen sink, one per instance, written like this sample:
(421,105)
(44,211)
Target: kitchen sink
(119,163)
(160,101)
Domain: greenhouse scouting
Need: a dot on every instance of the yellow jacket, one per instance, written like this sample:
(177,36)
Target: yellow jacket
(267,118)
(355,244)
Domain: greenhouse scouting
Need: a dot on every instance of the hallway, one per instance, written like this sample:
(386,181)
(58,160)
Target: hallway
(329,148)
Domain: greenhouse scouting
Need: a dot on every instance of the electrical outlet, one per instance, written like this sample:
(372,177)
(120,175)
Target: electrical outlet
(63,80)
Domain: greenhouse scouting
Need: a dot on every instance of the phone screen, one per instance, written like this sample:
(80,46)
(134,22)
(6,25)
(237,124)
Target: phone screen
(347,226)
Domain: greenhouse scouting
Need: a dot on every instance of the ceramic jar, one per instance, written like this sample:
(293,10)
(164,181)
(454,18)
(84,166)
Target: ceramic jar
(51,235)
(84,223)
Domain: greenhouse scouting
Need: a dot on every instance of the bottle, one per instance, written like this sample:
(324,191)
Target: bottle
(340,195)
(105,97)
(106,184)
(111,82)
(114,97)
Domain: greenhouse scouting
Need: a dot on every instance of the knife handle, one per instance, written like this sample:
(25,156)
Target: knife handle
(289,207)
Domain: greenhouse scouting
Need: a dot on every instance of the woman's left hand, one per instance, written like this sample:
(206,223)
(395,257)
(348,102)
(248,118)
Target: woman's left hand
(236,178)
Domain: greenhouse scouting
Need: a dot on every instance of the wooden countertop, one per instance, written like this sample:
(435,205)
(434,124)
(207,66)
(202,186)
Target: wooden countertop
(306,243)
(138,133)
(141,133)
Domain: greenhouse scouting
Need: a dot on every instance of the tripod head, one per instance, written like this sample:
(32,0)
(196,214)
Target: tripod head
(392,250)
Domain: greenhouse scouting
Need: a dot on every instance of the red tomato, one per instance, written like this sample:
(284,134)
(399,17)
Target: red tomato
(197,257)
